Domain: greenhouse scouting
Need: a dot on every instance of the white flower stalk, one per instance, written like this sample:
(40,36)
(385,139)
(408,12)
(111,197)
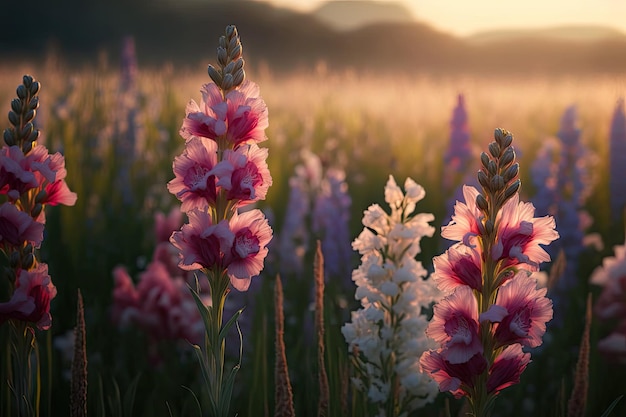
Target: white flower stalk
(386,335)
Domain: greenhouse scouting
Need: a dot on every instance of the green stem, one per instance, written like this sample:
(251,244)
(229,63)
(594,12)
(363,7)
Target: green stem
(23,341)
(218,281)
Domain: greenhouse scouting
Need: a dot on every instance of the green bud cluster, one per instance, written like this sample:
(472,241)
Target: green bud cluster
(498,175)
(23,132)
(230,73)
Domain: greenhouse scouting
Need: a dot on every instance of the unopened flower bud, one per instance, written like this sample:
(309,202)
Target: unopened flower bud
(499,135)
(9,138)
(494,149)
(30,115)
(28,261)
(483,179)
(238,64)
(231,31)
(227,82)
(489,226)
(34,135)
(235,52)
(492,167)
(484,159)
(34,102)
(228,69)
(513,188)
(15,259)
(16,105)
(511,172)
(507,157)
(222,56)
(239,76)
(27,80)
(27,130)
(215,75)
(222,42)
(41,196)
(28,248)
(22,92)
(34,88)
(497,183)
(481,202)
(27,147)
(507,140)
(36,211)
(13,118)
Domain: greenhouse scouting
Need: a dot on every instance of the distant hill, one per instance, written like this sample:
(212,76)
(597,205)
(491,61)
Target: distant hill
(185,33)
(352,14)
(571,33)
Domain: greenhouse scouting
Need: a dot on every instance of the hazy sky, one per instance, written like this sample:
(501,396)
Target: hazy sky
(463,17)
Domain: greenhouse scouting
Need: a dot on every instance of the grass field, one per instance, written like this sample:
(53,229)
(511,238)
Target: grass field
(119,144)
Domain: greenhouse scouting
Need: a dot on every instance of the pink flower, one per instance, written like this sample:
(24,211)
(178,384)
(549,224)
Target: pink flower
(611,304)
(520,234)
(201,243)
(247,115)
(455,326)
(507,369)
(165,225)
(161,304)
(125,298)
(464,226)
(194,184)
(16,176)
(527,312)
(210,120)
(460,265)
(57,191)
(459,379)
(614,345)
(245,258)
(244,174)
(17,227)
(30,301)
(241,116)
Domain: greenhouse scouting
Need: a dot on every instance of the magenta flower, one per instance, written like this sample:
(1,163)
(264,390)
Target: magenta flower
(455,326)
(164,225)
(57,190)
(194,184)
(507,369)
(466,219)
(201,243)
(16,177)
(243,117)
(247,115)
(244,174)
(17,227)
(520,234)
(207,122)
(527,312)
(30,301)
(245,259)
(460,265)
(460,379)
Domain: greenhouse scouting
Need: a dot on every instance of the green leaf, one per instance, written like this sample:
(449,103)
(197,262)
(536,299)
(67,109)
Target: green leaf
(129,396)
(229,324)
(195,399)
(612,406)
(229,383)
(206,312)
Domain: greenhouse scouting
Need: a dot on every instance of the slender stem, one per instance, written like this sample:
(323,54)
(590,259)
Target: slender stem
(23,342)
(218,281)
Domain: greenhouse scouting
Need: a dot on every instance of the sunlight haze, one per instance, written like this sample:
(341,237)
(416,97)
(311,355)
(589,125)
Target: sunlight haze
(468,17)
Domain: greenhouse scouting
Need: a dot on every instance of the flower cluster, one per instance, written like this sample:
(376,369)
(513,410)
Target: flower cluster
(617,164)
(386,335)
(30,179)
(161,303)
(493,307)
(319,204)
(221,170)
(611,304)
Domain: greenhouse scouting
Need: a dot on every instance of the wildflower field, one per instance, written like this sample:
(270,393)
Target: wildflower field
(403,292)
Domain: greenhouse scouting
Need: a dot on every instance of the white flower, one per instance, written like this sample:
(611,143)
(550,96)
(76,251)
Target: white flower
(389,329)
